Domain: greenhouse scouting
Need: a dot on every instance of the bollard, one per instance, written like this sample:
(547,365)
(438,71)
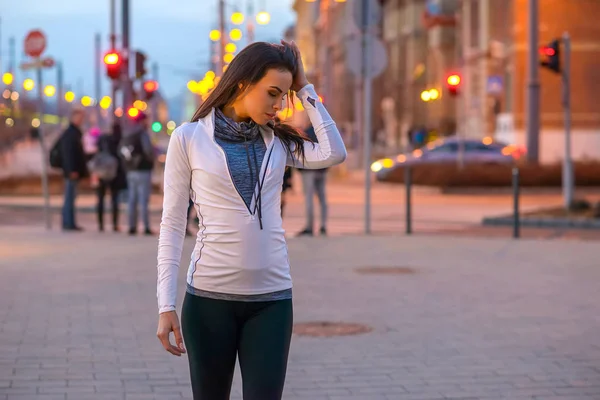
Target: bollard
(407,185)
(516,220)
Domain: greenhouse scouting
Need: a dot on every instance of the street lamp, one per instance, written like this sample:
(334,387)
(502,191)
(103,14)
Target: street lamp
(237,18)
(228,58)
(230,48)
(86,101)
(214,35)
(263,18)
(28,84)
(235,34)
(69,97)
(7,78)
(49,91)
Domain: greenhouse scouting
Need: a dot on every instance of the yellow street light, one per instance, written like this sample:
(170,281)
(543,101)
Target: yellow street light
(210,75)
(425,95)
(225,67)
(7,78)
(105,102)
(214,35)
(49,91)
(86,101)
(171,125)
(228,58)
(192,86)
(235,34)
(36,122)
(434,94)
(28,84)
(263,18)
(14,96)
(237,18)
(10,122)
(69,97)
(230,47)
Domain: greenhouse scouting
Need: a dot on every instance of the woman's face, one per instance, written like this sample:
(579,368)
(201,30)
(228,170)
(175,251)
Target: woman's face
(263,100)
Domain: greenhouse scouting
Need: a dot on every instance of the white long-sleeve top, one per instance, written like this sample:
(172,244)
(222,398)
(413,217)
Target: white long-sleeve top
(232,254)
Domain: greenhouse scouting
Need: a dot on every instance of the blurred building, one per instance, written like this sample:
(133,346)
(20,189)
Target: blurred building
(484,41)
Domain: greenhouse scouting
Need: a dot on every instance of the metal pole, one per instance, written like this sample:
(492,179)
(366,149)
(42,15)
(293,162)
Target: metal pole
(516,219)
(44,154)
(222,39)
(533,86)
(250,23)
(97,81)
(113,46)
(464,110)
(60,89)
(126,79)
(568,173)
(484,39)
(408,186)
(12,57)
(366,64)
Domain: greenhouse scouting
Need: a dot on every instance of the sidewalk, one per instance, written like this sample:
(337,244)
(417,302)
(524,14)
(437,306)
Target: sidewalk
(476,319)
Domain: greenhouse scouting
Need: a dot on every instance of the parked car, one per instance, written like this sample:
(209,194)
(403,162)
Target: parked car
(444,151)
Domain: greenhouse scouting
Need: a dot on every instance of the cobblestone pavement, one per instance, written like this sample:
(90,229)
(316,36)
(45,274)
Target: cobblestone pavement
(478,319)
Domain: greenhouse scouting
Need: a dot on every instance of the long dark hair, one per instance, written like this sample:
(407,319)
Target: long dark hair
(247,68)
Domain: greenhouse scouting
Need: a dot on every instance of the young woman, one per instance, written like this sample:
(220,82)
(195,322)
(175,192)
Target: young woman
(230,160)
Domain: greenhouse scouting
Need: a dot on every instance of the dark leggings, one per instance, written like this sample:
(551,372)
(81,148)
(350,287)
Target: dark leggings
(103,187)
(259,333)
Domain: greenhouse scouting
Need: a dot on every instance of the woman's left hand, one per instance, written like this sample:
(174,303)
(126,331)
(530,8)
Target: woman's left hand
(300,78)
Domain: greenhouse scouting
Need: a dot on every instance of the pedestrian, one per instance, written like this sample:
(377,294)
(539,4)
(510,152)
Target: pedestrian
(138,154)
(231,158)
(287,185)
(73,165)
(115,181)
(313,182)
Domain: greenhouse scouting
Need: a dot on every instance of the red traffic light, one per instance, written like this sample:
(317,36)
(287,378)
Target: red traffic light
(133,112)
(150,86)
(112,58)
(548,51)
(453,80)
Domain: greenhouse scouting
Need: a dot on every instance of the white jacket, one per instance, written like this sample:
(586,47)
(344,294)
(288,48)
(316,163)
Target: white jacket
(232,254)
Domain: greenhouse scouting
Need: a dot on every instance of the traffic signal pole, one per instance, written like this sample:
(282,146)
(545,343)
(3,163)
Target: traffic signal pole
(568,175)
(126,54)
(113,46)
(533,86)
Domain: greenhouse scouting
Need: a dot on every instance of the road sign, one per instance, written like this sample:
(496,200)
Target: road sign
(354,56)
(35,43)
(375,13)
(47,62)
(495,85)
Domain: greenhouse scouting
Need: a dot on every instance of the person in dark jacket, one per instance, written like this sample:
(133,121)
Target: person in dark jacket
(74,167)
(109,142)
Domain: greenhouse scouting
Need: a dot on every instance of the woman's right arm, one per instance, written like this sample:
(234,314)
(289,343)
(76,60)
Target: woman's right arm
(174,219)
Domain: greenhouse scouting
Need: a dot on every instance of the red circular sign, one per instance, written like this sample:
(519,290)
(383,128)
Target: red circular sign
(35,43)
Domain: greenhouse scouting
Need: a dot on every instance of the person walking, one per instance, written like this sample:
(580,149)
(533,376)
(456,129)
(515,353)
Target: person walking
(231,158)
(74,167)
(108,146)
(138,154)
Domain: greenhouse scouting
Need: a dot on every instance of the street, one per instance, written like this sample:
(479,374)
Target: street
(470,318)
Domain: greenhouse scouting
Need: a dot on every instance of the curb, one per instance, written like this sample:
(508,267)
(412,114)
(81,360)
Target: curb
(80,209)
(543,222)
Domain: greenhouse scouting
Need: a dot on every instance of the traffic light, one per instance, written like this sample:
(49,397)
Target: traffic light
(551,56)
(150,87)
(156,126)
(140,65)
(453,84)
(113,62)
